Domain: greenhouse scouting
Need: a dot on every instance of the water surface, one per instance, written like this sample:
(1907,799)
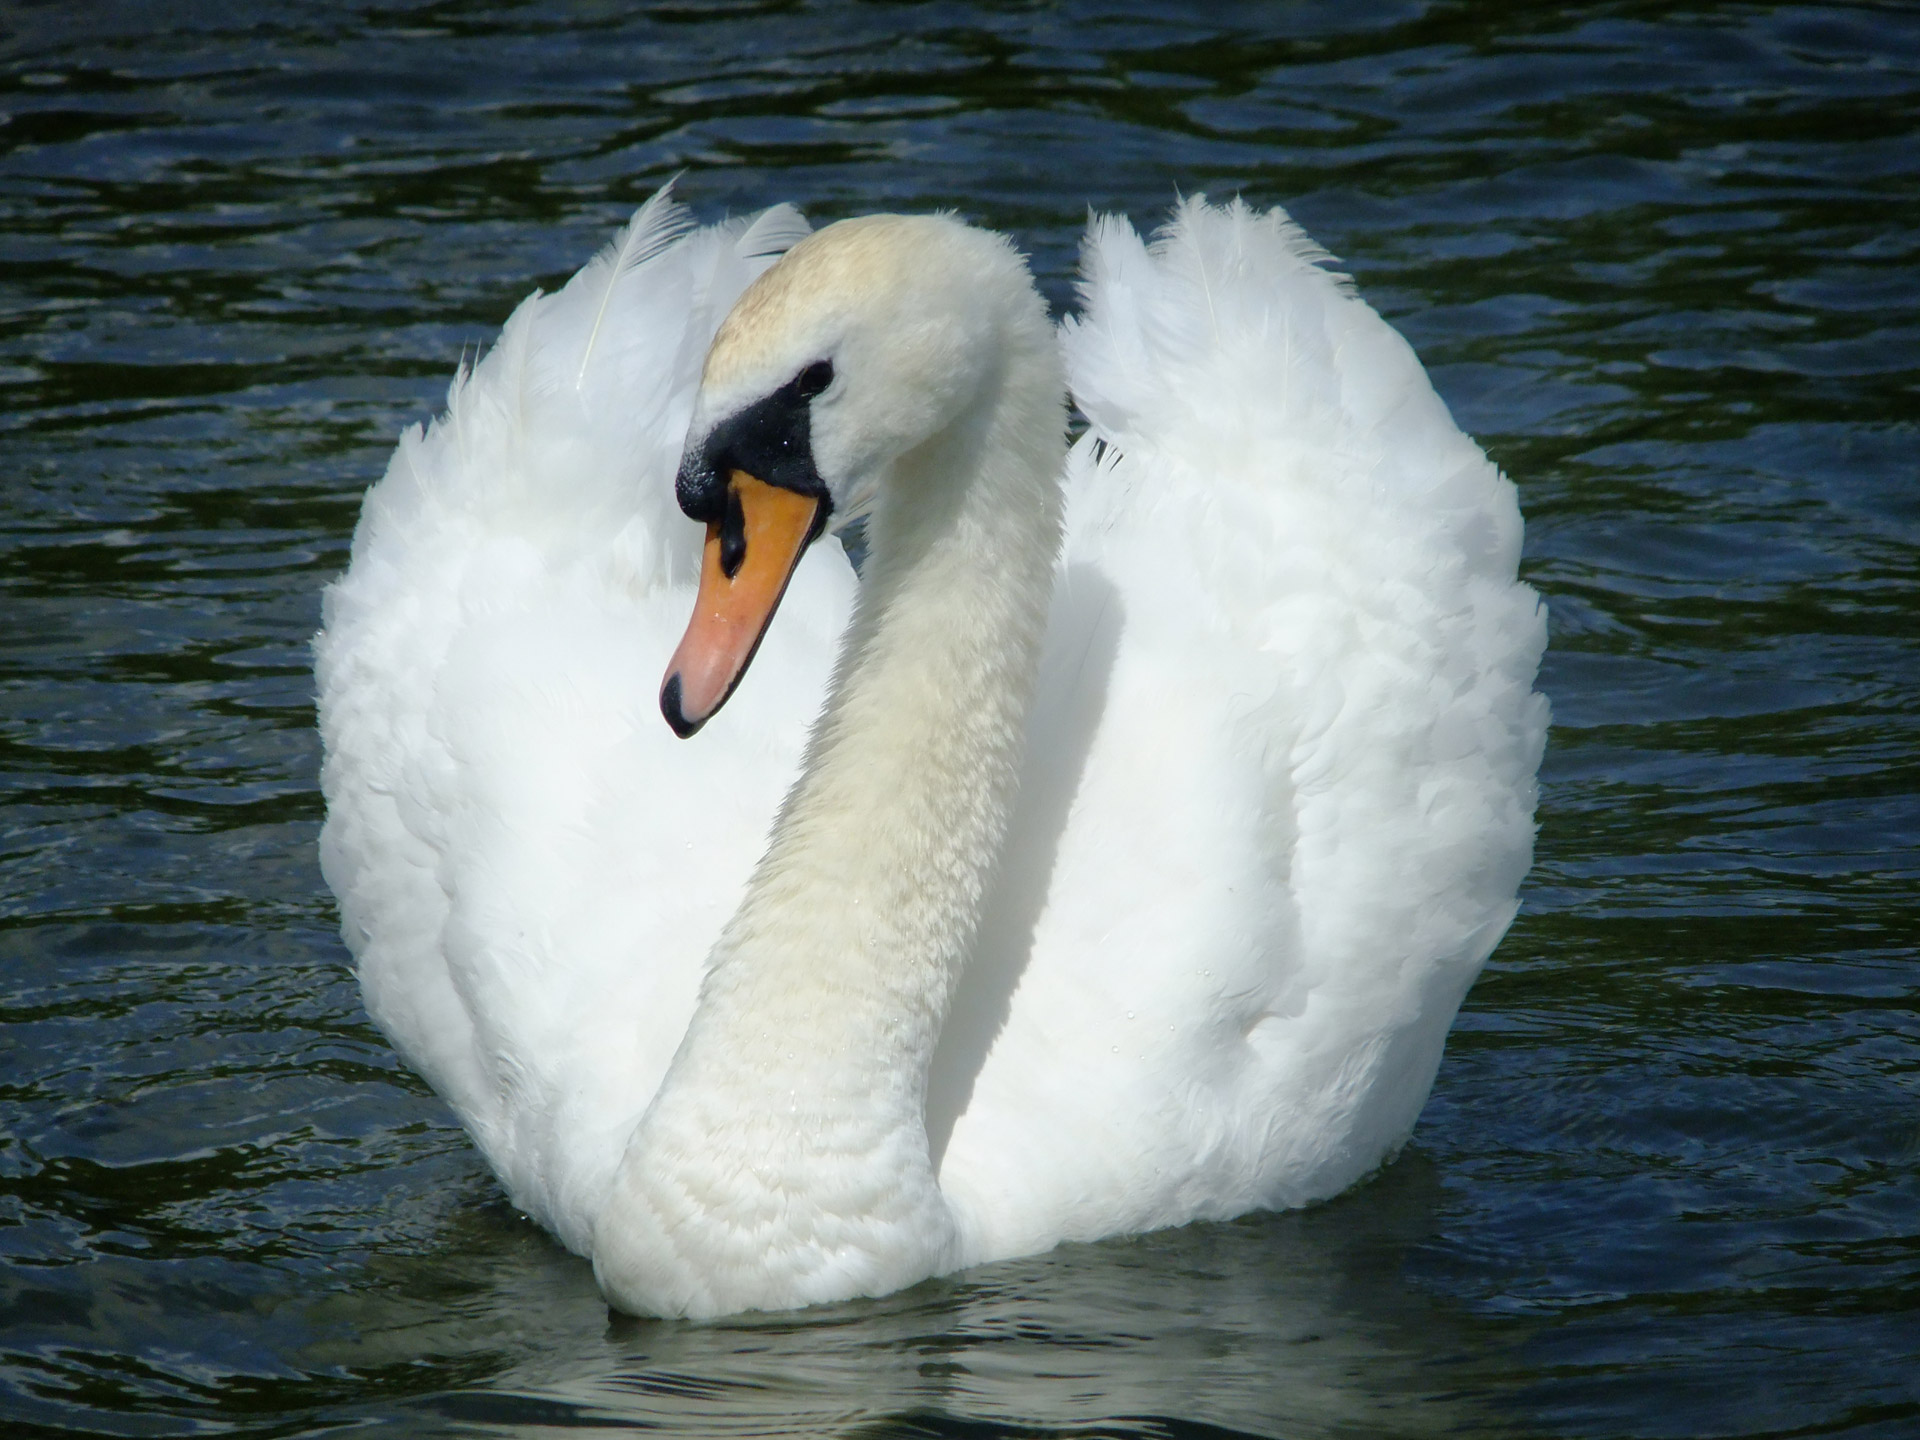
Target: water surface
(1662,261)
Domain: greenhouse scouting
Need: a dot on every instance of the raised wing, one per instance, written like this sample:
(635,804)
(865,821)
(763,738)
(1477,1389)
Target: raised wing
(1281,783)
(530,867)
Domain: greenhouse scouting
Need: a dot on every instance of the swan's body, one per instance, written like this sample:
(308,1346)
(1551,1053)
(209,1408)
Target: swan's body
(1196,953)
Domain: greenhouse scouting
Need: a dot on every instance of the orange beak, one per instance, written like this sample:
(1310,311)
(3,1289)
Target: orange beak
(749,558)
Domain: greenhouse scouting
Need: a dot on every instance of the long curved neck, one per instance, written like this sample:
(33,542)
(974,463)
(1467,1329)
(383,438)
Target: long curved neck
(871,886)
(803,1073)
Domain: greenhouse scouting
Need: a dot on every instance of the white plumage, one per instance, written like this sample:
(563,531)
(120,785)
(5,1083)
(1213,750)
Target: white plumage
(1276,802)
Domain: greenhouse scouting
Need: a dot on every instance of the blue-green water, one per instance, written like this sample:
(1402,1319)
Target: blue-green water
(1663,260)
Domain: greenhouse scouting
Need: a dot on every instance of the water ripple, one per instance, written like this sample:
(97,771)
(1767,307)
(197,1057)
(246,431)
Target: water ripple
(1660,259)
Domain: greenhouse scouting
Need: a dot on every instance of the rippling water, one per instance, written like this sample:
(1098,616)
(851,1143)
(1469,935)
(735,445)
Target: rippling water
(1662,260)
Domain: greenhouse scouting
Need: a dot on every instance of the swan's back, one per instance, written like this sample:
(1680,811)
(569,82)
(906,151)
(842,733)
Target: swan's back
(530,866)
(1278,798)
(1280,791)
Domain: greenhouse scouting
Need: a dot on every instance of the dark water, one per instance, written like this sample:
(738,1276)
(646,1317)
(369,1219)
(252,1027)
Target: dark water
(1664,260)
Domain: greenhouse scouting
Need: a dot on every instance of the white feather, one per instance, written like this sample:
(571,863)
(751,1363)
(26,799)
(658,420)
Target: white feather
(1278,792)
(529,865)
(655,226)
(1281,784)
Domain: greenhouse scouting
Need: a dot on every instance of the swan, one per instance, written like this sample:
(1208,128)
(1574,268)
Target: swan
(1112,851)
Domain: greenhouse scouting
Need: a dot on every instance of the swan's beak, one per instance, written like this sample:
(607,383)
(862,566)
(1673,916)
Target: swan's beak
(749,558)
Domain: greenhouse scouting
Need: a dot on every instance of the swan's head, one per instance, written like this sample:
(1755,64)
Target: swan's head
(866,340)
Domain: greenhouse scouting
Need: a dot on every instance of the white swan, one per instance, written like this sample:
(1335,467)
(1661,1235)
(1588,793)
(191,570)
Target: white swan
(1195,954)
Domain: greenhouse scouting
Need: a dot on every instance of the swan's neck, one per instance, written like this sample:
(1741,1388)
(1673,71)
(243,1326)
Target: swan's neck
(784,1160)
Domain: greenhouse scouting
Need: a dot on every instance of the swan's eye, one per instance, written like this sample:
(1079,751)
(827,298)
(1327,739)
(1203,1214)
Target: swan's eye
(815,378)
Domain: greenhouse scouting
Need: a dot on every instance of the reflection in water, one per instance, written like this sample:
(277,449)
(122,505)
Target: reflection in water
(1300,1324)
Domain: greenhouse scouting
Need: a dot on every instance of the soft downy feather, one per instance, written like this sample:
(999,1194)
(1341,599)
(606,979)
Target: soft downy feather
(530,867)
(1279,789)
(1281,783)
